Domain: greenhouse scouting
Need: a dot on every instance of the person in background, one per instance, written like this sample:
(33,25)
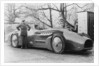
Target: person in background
(23,27)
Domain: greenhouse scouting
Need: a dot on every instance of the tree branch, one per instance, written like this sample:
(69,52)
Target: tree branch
(41,21)
(80,6)
(46,16)
(56,6)
(68,5)
(48,8)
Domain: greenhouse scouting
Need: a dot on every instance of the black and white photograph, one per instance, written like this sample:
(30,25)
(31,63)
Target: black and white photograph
(49,32)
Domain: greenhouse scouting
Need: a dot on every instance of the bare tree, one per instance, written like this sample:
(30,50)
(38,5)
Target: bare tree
(10,13)
(35,14)
(50,12)
(73,12)
(50,15)
(62,11)
(63,15)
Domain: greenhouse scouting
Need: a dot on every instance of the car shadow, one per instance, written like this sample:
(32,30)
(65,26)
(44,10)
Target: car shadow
(86,53)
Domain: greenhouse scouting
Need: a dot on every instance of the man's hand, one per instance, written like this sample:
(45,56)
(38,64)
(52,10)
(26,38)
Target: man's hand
(18,27)
(29,27)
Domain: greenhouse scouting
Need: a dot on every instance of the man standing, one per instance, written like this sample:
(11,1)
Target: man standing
(24,28)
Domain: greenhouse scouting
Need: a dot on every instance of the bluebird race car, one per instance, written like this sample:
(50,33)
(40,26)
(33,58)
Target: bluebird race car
(56,40)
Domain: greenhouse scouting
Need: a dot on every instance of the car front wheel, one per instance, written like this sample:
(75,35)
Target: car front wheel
(14,40)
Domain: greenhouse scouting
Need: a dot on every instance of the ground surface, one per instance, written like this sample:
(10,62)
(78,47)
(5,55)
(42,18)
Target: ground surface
(31,55)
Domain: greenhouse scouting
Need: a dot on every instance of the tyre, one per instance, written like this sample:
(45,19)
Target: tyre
(58,44)
(14,40)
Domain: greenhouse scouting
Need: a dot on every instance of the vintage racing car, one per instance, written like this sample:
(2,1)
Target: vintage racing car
(57,40)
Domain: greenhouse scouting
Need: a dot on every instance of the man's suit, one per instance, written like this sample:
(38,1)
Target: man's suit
(24,28)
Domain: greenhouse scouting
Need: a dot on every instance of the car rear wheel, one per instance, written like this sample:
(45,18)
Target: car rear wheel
(14,40)
(58,45)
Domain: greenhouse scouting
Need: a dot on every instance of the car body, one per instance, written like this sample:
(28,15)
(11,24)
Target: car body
(57,40)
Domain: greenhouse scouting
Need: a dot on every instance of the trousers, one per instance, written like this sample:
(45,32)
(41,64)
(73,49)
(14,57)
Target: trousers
(24,41)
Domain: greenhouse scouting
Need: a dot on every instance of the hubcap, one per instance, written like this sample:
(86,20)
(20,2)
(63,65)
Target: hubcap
(14,40)
(57,44)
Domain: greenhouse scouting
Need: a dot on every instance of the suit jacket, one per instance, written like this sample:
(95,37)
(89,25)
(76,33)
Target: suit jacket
(24,28)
